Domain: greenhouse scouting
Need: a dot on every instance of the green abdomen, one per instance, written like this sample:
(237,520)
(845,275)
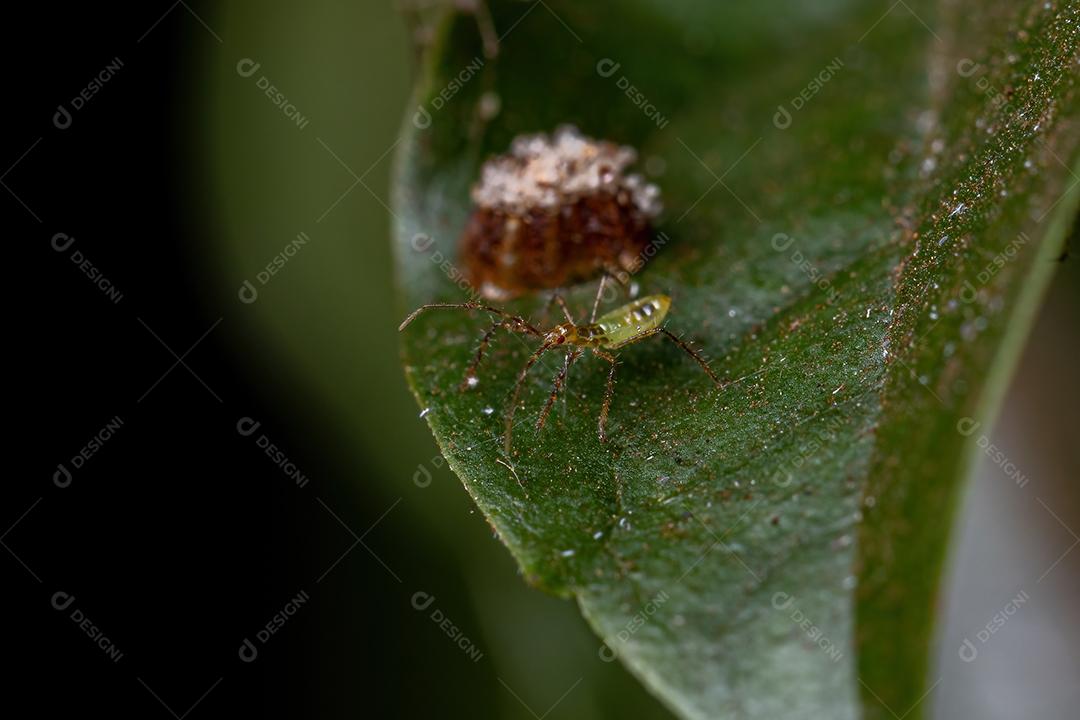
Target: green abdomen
(632,319)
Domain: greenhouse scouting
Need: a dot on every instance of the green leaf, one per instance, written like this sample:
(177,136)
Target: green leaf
(863,205)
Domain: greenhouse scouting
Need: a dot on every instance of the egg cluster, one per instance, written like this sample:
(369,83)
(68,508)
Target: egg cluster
(545,172)
(556,210)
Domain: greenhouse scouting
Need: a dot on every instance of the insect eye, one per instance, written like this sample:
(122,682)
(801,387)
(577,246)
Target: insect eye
(561,340)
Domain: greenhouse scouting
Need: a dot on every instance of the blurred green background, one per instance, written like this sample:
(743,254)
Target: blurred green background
(322,337)
(320,341)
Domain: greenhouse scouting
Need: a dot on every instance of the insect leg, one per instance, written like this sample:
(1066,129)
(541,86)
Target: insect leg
(470,373)
(556,386)
(565,310)
(487,30)
(620,277)
(633,339)
(507,435)
(556,297)
(599,294)
(602,424)
(518,322)
(692,353)
(547,309)
(686,348)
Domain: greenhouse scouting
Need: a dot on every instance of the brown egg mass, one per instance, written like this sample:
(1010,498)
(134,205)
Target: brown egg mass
(555,211)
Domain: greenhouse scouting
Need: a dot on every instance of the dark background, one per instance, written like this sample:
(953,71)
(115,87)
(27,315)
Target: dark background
(172,538)
(180,538)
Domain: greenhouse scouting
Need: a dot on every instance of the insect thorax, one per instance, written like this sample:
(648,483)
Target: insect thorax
(591,335)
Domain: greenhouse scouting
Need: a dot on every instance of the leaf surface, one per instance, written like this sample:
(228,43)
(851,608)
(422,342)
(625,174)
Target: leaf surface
(863,203)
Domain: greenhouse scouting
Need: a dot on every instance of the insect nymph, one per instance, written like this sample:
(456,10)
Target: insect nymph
(612,331)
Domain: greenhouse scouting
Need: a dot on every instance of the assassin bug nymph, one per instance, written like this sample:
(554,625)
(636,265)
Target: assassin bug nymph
(612,331)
